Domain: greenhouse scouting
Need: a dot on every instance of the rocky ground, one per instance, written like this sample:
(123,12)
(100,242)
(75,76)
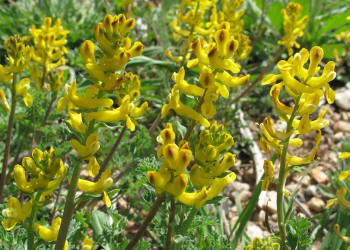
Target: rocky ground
(311,198)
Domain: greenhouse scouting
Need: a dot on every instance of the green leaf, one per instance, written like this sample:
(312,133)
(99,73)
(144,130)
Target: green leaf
(274,13)
(297,234)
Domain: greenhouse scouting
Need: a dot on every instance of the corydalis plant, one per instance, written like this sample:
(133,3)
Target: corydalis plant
(306,89)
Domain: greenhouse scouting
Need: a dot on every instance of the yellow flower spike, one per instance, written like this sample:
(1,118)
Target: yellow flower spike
(216,188)
(87,51)
(48,234)
(4,101)
(21,180)
(182,110)
(76,121)
(185,87)
(87,244)
(194,198)
(15,213)
(22,88)
(177,186)
(98,187)
(341,198)
(88,103)
(341,236)
(316,56)
(344,155)
(90,148)
(93,166)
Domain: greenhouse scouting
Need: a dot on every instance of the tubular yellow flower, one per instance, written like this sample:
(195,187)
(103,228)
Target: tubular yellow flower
(21,89)
(76,121)
(176,105)
(166,136)
(87,103)
(4,101)
(49,234)
(98,187)
(341,236)
(15,213)
(185,87)
(21,180)
(269,172)
(90,148)
(341,198)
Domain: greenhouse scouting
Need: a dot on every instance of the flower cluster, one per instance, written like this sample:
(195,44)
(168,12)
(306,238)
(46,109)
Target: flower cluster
(264,244)
(306,89)
(108,78)
(46,172)
(215,63)
(293,28)
(19,56)
(231,14)
(49,49)
(172,178)
(201,19)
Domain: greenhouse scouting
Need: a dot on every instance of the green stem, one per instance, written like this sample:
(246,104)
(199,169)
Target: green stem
(8,136)
(30,229)
(282,178)
(68,209)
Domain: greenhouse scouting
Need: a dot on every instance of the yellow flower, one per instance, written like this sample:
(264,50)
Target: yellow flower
(185,87)
(344,155)
(90,148)
(86,103)
(4,101)
(341,198)
(15,213)
(50,234)
(98,187)
(269,172)
(22,90)
(166,136)
(76,121)
(341,236)
(176,105)
(87,243)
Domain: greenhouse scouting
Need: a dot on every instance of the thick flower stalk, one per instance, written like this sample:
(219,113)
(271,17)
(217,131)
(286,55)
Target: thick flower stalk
(172,178)
(306,88)
(49,49)
(19,56)
(111,98)
(293,26)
